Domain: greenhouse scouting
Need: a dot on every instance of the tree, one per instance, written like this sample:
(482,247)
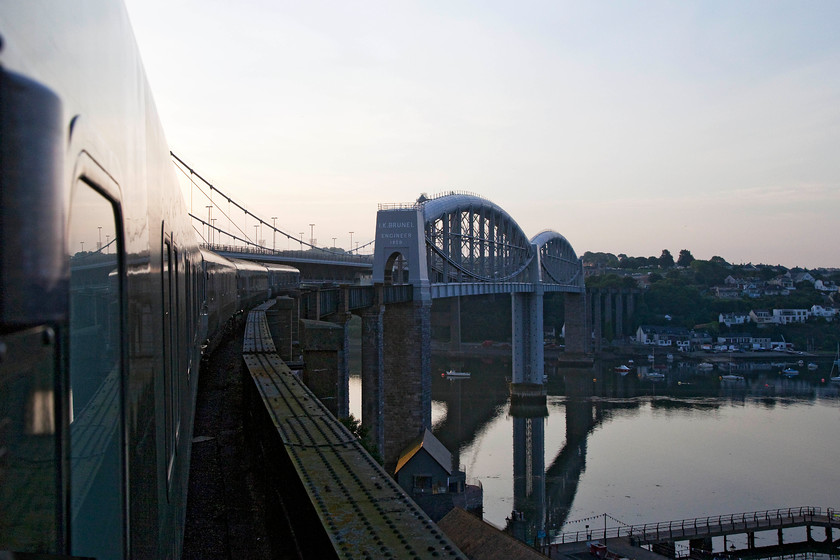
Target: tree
(685,258)
(666,260)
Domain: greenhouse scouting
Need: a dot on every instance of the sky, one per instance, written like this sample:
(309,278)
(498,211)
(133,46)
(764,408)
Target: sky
(627,127)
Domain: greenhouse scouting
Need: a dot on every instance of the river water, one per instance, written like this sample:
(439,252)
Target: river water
(629,450)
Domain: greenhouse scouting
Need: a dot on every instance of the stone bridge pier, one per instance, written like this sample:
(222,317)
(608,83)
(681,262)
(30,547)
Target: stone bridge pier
(610,312)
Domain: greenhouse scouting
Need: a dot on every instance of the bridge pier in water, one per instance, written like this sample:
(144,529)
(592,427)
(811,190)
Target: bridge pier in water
(578,328)
(407,344)
(610,313)
(527,338)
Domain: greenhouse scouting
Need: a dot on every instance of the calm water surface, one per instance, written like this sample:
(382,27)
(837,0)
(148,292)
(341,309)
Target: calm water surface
(640,451)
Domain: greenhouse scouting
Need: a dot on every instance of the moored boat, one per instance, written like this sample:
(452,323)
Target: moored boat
(731,377)
(452,374)
(622,369)
(789,372)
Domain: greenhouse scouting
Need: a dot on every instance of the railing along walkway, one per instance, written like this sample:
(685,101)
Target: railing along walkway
(712,526)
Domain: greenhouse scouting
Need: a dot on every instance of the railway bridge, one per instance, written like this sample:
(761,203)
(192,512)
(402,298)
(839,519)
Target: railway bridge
(443,247)
(446,247)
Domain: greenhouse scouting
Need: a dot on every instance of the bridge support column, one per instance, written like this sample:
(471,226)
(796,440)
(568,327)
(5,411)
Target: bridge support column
(528,348)
(283,323)
(455,323)
(313,309)
(609,325)
(373,376)
(280,319)
(751,540)
(597,320)
(619,315)
(344,368)
(407,342)
(323,349)
(577,333)
(781,536)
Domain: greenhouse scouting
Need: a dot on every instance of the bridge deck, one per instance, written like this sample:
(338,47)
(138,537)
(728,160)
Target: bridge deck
(363,511)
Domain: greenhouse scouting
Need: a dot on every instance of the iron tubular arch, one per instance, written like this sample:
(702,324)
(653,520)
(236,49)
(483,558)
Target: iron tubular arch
(471,239)
(558,262)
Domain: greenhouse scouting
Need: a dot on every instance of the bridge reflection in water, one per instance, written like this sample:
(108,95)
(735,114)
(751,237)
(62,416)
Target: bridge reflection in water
(544,491)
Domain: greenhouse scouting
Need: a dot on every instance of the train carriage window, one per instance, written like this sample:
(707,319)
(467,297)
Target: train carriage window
(95,410)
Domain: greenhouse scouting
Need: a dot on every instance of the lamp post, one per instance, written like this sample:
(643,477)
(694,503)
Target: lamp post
(334,238)
(312,234)
(256,238)
(83,246)
(209,210)
(351,241)
(274,239)
(99,247)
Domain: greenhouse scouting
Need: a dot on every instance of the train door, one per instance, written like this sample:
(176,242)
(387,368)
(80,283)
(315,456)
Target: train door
(171,385)
(97,525)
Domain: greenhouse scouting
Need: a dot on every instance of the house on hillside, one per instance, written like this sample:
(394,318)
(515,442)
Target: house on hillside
(826,286)
(730,319)
(677,337)
(827,313)
(726,292)
(788,316)
(785,281)
(761,317)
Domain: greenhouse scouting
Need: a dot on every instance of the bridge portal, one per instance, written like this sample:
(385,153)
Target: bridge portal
(446,247)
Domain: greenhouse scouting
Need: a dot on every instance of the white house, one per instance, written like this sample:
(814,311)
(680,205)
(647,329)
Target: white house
(787,316)
(761,317)
(823,286)
(827,313)
(730,319)
(664,336)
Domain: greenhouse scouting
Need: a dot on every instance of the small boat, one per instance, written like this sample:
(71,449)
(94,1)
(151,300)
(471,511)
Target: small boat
(731,377)
(812,366)
(790,372)
(452,374)
(622,369)
(669,357)
(654,376)
(705,366)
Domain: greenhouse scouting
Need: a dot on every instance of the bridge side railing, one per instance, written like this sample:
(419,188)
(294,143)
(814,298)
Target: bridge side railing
(329,300)
(308,254)
(668,530)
